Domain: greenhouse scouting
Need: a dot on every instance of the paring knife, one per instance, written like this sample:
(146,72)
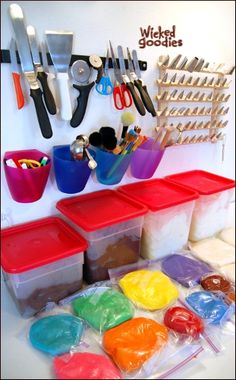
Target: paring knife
(16,75)
(17,19)
(139,83)
(60,48)
(51,76)
(41,75)
(137,101)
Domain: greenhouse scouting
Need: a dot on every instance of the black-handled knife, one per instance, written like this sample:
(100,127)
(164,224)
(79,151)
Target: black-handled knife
(41,75)
(82,101)
(23,46)
(136,75)
(137,101)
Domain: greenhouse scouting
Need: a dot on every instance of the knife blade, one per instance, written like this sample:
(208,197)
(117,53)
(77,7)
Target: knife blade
(138,82)
(22,41)
(137,101)
(60,47)
(16,75)
(41,75)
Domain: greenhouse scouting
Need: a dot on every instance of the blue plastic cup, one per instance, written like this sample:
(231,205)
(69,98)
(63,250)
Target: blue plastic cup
(71,175)
(111,167)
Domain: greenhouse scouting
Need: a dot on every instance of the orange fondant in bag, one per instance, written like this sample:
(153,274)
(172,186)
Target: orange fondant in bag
(133,342)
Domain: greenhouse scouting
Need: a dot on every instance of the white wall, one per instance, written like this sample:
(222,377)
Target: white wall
(207,30)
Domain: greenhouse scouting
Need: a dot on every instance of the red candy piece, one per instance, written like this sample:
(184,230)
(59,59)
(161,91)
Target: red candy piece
(183,321)
(85,365)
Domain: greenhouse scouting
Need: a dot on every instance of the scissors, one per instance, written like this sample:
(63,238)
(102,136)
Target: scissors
(104,86)
(30,163)
(121,95)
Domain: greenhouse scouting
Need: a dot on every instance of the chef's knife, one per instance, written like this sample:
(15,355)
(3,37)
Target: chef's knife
(41,75)
(136,76)
(16,75)
(137,101)
(17,19)
(60,48)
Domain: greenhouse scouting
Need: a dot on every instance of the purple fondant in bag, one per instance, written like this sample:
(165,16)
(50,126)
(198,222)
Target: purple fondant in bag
(184,270)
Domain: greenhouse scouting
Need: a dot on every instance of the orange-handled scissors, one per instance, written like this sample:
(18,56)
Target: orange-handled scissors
(121,95)
(30,163)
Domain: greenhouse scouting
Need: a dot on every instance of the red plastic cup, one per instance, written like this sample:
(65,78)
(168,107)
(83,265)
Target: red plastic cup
(26,185)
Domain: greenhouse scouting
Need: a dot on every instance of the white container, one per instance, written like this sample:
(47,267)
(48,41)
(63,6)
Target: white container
(166,225)
(42,262)
(112,225)
(212,207)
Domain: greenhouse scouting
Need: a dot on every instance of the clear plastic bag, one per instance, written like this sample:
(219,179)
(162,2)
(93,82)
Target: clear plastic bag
(145,285)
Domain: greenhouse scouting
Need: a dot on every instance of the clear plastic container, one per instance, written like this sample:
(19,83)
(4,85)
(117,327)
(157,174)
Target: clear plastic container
(166,225)
(42,262)
(111,224)
(211,209)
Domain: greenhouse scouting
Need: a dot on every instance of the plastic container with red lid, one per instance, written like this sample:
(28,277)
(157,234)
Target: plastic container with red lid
(166,225)
(211,209)
(111,223)
(42,262)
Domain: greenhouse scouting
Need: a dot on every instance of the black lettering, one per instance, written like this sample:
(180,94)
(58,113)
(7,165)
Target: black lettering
(180,42)
(145,32)
(172,34)
(142,43)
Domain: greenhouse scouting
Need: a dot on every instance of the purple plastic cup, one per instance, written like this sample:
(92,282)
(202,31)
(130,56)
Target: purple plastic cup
(146,159)
(26,185)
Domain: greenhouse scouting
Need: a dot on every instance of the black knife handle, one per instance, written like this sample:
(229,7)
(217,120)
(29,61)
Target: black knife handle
(137,101)
(42,115)
(145,97)
(47,94)
(82,101)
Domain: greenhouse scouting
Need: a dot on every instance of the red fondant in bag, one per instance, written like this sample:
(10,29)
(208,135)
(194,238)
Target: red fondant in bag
(183,321)
(133,342)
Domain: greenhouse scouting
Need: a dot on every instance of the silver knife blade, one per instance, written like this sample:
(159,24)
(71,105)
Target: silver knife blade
(136,64)
(44,56)
(115,66)
(12,49)
(60,47)
(130,63)
(22,41)
(122,64)
(34,48)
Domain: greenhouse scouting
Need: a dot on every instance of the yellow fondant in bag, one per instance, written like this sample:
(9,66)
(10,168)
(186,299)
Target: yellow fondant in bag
(150,290)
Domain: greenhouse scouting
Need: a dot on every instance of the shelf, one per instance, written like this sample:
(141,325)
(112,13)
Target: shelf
(191,115)
(189,85)
(197,142)
(190,101)
(5,58)
(200,72)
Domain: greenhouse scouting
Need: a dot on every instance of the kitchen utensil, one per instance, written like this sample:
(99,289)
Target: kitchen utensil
(16,75)
(135,74)
(81,72)
(129,84)
(17,20)
(41,75)
(121,95)
(104,86)
(79,149)
(60,48)
(174,62)
(192,64)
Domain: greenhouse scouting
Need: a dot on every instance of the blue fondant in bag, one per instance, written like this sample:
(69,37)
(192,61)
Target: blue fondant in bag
(208,307)
(56,334)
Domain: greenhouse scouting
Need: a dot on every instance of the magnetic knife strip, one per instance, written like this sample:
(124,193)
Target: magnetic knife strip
(5,58)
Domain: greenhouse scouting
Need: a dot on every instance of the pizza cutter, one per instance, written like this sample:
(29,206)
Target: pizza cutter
(81,73)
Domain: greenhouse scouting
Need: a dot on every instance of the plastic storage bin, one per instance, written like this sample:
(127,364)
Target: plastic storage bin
(166,225)
(211,209)
(146,159)
(41,261)
(71,175)
(111,167)
(26,185)
(111,223)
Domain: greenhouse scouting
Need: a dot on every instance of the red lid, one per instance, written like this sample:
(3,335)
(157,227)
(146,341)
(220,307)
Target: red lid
(100,209)
(31,245)
(203,182)
(158,194)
